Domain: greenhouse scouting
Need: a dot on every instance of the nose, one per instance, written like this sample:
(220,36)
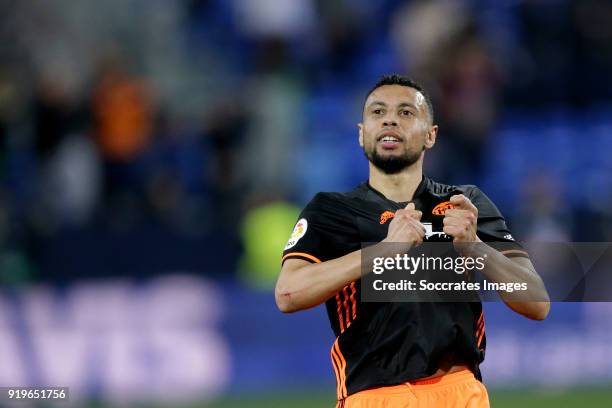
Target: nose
(389,122)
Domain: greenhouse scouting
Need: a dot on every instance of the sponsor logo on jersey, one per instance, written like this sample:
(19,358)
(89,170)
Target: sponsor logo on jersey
(441,208)
(298,232)
(386,216)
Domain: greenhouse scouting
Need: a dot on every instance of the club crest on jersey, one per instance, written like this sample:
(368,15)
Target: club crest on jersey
(441,208)
(298,232)
(386,216)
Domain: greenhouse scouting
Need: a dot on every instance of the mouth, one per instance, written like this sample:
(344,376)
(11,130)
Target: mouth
(389,140)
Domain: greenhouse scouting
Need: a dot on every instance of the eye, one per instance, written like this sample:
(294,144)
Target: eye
(377,111)
(406,113)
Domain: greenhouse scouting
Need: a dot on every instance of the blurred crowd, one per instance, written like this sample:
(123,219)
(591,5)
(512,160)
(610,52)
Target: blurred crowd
(186,115)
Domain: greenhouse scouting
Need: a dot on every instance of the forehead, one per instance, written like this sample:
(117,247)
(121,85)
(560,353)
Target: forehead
(396,94)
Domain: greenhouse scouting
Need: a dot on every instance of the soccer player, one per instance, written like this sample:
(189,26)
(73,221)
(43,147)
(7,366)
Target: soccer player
(401,354)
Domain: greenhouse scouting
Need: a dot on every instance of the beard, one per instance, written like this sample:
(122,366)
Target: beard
(392,164)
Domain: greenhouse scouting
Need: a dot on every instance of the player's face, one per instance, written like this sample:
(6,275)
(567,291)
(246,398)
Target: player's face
(396,128)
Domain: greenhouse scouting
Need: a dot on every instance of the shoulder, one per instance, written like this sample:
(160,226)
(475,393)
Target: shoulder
(328,207)
(325,201)
(441,189)
(486,207)
(484,204)
(335,201)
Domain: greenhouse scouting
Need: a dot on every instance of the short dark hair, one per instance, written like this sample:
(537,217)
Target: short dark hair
(396,79)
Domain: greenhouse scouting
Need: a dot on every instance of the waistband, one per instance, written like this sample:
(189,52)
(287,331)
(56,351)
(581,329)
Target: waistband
(440,381)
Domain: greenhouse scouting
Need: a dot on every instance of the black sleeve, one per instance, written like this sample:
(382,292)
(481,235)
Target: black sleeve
(325,230)
(492,227)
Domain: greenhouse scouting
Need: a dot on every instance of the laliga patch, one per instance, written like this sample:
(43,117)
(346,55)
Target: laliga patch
(298,232)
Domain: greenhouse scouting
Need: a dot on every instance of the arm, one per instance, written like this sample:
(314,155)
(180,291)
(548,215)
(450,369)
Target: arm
(461,223)
(302,285)
(502,269)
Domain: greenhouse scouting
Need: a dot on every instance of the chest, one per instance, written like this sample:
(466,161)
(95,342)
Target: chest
(374,218)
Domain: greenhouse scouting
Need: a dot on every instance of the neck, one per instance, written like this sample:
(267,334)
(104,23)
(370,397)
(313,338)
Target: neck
(398,187)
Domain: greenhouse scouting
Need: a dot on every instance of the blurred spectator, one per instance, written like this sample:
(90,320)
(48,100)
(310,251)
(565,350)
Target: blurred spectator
(342,28)
(176,179)
(422,32)
(468,101)
(275,100)
(123,113)
(7,113)
(443,48)
(74,180)
(225,130)
(67,160)
(55,115)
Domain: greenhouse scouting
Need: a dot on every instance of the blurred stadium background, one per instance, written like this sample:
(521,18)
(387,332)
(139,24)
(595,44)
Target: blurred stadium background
(154,156)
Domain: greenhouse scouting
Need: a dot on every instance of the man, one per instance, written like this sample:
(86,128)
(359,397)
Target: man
(401,354)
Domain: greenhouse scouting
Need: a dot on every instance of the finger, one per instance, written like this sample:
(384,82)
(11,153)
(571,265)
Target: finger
(451,230)
(415,214)
(460,201)
(416,233)
(450,221)
(458,213)
(418,227)
(420,236)
(410,206)
(457,200)
(460,223)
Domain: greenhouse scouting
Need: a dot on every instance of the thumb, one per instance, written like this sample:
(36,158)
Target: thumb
(414,213)
(458,200)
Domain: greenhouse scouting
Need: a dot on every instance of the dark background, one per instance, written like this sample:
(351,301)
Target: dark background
(152,147)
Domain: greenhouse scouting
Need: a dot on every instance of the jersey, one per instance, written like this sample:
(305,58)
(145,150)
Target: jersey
(377,343)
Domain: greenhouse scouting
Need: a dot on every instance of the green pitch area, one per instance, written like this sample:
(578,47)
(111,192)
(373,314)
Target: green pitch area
(594,398)
(581,398)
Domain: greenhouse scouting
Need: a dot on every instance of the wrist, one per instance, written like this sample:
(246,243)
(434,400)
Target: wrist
(469,248)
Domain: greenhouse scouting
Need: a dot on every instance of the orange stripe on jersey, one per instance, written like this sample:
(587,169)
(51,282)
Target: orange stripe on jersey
(480,329)
(353,299)
(480,338)
(339,310)
(479,323)
(480,318)
(302,255)
(347,308)
(336,365)
(342,370)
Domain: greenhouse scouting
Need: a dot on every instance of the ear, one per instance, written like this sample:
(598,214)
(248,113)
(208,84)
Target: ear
(360,127)
(430,137)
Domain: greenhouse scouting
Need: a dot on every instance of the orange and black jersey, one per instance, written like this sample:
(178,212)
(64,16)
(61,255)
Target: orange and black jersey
(381,344)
